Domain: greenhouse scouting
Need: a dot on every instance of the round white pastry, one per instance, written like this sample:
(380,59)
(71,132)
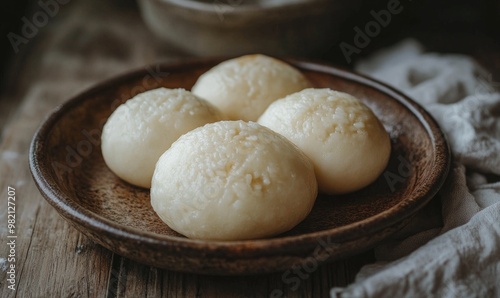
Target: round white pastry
(242,88)
(140,130)
(233,180)
(344,139)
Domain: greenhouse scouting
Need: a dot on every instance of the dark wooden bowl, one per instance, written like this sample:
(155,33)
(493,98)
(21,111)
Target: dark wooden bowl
(68,168)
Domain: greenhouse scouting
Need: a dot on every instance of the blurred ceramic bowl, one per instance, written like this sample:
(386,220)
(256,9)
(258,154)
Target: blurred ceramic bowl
(235,27)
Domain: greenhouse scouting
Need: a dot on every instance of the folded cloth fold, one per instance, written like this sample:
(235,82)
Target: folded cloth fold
(458,256)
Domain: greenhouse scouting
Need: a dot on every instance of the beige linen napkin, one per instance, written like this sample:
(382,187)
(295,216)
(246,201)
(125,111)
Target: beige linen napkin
(458,256)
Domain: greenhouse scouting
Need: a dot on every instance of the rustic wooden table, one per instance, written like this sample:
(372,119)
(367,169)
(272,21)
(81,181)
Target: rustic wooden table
(78,48)
(82,44)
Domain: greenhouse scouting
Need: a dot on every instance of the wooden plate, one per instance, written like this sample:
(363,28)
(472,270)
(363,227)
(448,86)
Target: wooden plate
(67,166)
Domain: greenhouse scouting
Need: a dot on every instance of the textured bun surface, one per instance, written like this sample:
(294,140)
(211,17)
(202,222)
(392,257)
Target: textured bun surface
(242,88)
(233,180)
(141,129)
(344,139)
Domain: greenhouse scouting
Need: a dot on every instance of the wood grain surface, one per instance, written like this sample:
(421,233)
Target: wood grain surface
(83,44)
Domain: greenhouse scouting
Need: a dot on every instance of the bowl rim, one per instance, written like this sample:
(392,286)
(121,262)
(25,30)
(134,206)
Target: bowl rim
(48,185)
(209,6)
(238,8)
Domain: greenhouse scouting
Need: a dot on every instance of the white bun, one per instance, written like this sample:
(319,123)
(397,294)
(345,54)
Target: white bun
(233,180)
(344,139)
(242,88)
(140,130)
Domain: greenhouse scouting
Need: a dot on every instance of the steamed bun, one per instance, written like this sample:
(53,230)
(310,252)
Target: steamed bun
(344,139)
(141,129)
(242,88)
(233,180)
